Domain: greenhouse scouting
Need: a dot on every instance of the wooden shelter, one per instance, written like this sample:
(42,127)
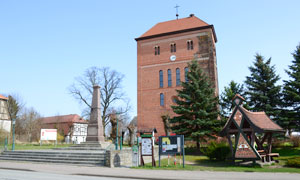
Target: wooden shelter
(247,127)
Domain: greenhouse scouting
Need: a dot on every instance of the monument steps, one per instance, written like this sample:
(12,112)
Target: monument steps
(63,161)
(64,155)
(78,154)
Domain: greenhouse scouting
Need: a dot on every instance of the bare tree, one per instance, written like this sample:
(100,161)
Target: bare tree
(122,125)
(132,128)
(31,124)
(112,94)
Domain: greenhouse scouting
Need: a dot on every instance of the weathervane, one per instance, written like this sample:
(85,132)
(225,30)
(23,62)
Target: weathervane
(177,11)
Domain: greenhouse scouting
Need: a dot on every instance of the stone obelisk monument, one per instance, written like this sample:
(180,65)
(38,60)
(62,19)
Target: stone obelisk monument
(95,126)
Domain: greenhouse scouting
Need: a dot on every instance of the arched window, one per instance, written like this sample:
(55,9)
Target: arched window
(185,74)
(177,77)
(161,79)
(169,78)
(190,45)
(173,47)
(162,99)
(156,50)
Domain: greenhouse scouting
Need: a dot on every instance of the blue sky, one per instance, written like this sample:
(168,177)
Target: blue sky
(44,45)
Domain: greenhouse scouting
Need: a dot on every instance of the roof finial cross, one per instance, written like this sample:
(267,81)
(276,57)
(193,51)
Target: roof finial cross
(177,11)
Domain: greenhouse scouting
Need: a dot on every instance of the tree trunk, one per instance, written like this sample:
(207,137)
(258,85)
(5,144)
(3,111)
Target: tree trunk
(198,144)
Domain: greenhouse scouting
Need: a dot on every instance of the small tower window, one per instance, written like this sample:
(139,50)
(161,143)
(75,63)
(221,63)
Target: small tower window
(162,99)
(185,74)
(190,45)
(169,78)
(156,50)
(173,47)
(161,79)
(177,77)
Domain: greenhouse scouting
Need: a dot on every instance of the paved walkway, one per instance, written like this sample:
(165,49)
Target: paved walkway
(142,174)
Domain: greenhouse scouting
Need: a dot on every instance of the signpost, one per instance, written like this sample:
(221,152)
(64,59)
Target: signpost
(147,148)
(48,135)
(171,145)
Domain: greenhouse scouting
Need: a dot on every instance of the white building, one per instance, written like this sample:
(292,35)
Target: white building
(5,121)
(72,127)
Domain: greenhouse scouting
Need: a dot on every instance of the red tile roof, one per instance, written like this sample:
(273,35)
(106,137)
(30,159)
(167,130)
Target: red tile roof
(74,118)
(3,97)
(261,120)
(190,22)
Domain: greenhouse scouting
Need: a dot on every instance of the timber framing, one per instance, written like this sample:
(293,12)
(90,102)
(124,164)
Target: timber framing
(250,131)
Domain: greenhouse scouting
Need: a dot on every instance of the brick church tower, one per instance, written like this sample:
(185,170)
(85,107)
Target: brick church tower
(162,56)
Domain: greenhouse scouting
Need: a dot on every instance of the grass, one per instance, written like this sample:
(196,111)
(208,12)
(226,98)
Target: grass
(37,146)
(202,163)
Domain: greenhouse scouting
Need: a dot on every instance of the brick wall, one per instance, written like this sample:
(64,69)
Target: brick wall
(149,65)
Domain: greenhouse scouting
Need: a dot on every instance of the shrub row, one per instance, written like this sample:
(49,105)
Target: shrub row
(294,162)
(217,151)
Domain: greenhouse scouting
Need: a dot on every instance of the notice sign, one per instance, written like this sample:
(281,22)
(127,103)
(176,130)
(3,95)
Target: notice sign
(170,144)
(48,134)
(146,146)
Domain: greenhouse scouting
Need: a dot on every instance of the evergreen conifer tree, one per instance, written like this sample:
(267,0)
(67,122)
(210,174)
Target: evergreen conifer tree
(291,92)
(262,91)
(227,95)
(196,107)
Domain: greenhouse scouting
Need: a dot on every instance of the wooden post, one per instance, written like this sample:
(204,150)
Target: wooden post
(230,145)
(252,138)
(269,150)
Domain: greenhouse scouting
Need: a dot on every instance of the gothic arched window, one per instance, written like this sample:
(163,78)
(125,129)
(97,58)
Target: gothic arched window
(177,77)
(162,99)
(161,79)
(169,78)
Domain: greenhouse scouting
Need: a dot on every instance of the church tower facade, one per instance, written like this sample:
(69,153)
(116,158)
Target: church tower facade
(162,56)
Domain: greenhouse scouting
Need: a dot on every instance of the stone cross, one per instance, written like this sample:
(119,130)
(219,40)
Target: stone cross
(95,127)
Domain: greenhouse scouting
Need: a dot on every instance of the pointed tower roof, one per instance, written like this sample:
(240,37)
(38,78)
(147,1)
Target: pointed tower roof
(190,23)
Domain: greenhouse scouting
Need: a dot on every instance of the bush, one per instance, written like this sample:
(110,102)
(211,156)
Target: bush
(218,151)
(294,162)
(296,141)
(60,137)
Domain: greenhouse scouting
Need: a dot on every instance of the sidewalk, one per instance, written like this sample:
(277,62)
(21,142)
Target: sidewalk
(140,173)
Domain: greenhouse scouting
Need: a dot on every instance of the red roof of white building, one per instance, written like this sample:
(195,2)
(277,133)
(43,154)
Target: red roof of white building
(3,97)
(73,118)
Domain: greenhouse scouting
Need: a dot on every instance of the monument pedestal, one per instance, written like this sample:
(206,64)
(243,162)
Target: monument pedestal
(94,134)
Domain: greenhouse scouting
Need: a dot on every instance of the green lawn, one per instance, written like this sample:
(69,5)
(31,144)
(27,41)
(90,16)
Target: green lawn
(37,146)
(202,163)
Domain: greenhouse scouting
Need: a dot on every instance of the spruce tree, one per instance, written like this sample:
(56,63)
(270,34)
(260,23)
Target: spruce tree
(196,107)
(262,91)
(291,92)
(227,95)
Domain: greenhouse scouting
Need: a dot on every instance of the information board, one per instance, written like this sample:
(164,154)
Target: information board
(48,134)
(170,144)
(146,146)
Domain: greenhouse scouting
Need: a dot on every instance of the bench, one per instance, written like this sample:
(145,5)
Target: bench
(271,155)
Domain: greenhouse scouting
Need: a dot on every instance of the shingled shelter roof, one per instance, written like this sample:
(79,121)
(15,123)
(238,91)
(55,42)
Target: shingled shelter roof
(259,121)
(179,25)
